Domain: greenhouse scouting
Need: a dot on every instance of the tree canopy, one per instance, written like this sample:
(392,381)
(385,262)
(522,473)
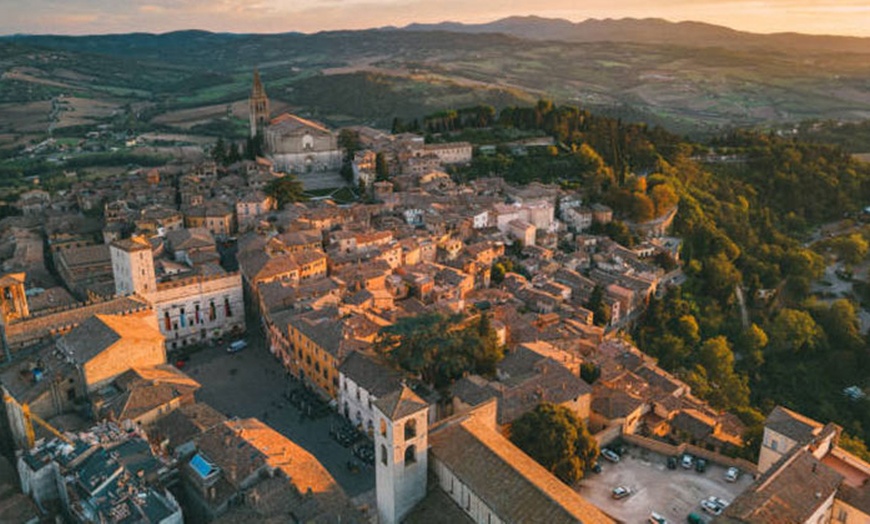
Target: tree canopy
(285,190)
(441,348)
(555,437)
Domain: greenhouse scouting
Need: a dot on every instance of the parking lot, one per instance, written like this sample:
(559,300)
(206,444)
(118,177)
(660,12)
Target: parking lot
(672,494)
(251,383)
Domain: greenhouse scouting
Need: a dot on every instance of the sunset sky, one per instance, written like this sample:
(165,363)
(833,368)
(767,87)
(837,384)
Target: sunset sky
(843,17)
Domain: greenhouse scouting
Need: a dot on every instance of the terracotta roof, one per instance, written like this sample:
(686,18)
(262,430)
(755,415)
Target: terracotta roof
(186,423)
(99,332)
(31,330)
(196,237)
(793,425)
(695,423)
(613,403)
(86,255)
(472,390)
(146,389)
(294,122)
(373,376)
(134,243)
(400,403)
(857,497)
(508,481)
(789,493)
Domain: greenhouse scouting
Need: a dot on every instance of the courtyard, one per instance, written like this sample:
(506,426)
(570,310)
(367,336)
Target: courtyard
(672,493)
(251,383)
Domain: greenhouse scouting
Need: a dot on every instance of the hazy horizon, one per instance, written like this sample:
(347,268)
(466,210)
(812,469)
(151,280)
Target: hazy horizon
(87,17)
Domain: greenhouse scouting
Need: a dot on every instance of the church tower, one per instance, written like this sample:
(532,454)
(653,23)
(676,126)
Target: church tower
(258,106)
(133,266)
(401,454)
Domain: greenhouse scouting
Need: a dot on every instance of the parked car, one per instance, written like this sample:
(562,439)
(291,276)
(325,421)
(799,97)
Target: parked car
(237,346)
(596,468)
(714,505)
(687,461)
(694,518)
(732,474)
(655,518)
(610,455)
(711,507)
(700,465)
(672,462)
(620,492)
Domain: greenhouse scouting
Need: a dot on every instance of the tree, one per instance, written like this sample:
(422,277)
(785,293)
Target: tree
(642,208)
(440,348)
(556,439)
(285,190)
(219,152)
(665,198)
(855,446)
(382,169)
(599,308)
(233,154)
(348,140)
(795,331)
(589,372)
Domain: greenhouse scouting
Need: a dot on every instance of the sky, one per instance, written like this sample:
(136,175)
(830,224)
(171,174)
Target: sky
(840,17)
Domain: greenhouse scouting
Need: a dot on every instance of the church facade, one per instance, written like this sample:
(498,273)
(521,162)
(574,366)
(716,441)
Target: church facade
(294,144)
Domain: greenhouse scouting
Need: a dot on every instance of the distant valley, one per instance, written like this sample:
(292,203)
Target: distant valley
(692,78)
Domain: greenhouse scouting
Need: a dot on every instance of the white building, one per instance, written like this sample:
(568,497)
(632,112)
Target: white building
(189,310)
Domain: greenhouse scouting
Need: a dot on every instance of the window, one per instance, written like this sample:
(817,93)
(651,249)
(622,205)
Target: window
(212,313)
(410,429)
(773,444)
(383,455)
(71,394)
(183,318)
(167,322)
(227,310)
(410,455)
(383,428)
(842,515)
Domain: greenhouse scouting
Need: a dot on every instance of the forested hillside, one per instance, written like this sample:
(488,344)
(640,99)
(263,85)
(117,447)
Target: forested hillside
(744,223)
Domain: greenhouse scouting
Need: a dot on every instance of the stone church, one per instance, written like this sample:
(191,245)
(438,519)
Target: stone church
(294,144)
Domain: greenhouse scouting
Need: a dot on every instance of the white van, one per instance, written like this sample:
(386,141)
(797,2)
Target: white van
(237,346)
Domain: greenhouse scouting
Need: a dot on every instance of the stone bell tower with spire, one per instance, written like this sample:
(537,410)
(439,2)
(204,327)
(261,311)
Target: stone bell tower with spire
(258,107)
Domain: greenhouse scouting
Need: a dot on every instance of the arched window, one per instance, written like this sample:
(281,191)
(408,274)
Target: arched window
(410,429)
(383,428)
(383,455)
(410,455)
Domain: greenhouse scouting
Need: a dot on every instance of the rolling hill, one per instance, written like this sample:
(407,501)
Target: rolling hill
(690,77)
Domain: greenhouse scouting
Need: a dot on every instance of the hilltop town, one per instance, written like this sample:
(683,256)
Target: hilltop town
(409,328)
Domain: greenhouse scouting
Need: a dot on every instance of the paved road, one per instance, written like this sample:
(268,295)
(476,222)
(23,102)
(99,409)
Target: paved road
(252,383)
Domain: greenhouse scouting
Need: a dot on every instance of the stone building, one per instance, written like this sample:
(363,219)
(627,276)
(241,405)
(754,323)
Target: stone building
(301,146)
(188,310)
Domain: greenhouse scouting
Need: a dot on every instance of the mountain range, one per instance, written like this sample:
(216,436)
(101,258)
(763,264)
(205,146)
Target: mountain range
(652,31)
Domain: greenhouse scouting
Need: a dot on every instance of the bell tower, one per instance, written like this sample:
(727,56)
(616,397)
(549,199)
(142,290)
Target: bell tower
(133,266)
(401,442)
(258,106)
